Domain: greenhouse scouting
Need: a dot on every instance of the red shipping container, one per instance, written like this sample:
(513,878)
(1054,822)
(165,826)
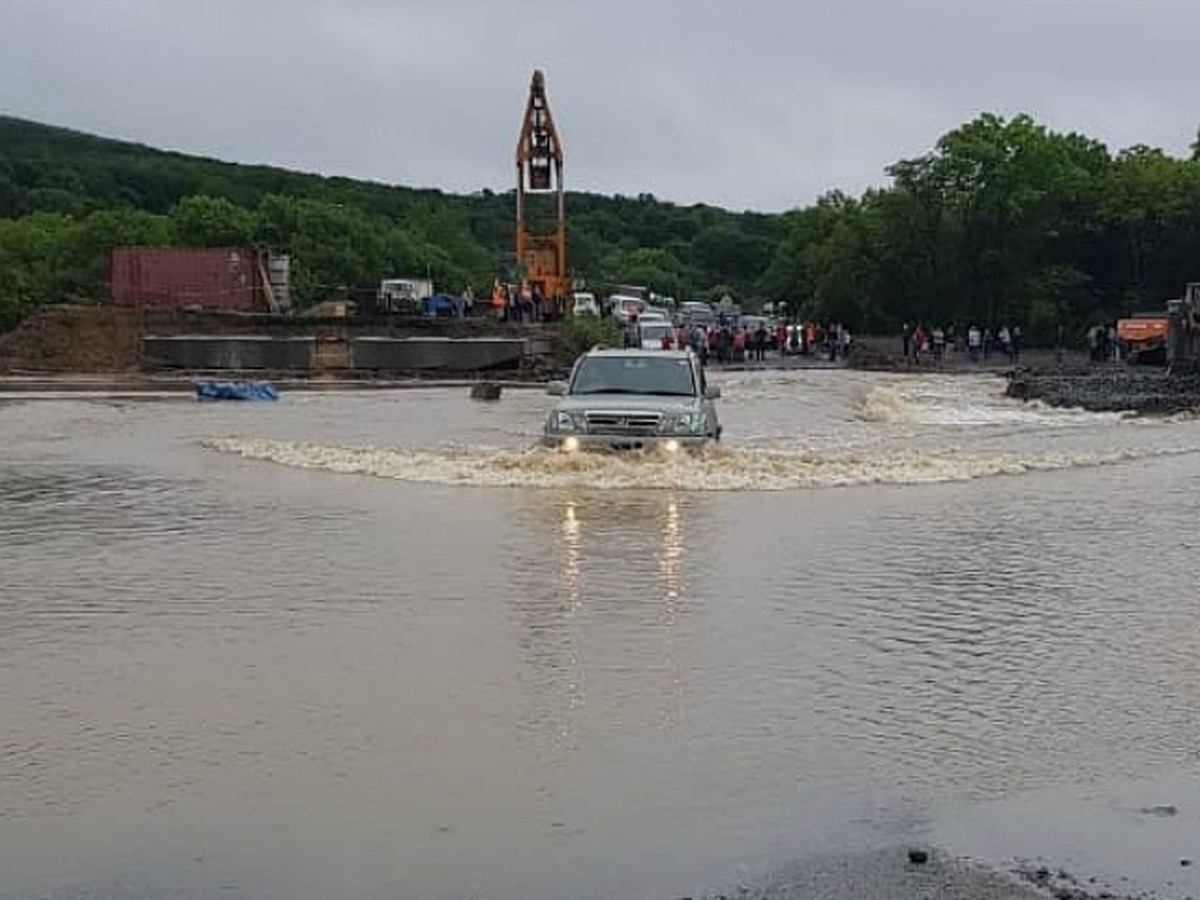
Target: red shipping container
(175,277)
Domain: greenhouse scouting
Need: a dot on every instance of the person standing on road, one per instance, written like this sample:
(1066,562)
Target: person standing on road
(739,345)
(974,342)
(918,341)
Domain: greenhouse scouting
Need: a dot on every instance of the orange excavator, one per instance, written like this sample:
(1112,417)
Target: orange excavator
(1164,338)
(1143,338)
(541,257)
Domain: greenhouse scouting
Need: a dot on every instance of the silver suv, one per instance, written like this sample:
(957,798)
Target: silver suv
(633,400)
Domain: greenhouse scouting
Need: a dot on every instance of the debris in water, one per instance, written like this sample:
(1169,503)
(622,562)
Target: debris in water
(485,390)
(1164,811)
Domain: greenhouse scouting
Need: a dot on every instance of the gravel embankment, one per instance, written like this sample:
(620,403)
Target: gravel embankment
(1116,390)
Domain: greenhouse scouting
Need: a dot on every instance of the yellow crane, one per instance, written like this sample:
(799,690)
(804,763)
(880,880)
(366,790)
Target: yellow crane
(542,258)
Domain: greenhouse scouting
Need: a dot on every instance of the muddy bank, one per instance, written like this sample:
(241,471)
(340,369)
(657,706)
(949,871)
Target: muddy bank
(1105,839)
(909,873)
(1113,390)
(889,874)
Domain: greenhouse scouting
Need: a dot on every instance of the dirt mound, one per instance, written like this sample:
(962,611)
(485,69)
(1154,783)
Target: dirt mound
(107,339)
(74,339)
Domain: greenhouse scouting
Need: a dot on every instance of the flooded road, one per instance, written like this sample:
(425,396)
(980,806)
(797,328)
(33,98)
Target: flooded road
(372,645)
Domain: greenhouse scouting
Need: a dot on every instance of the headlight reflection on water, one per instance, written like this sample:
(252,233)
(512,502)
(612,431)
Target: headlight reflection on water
(668,553)
(572,561)
(671,556)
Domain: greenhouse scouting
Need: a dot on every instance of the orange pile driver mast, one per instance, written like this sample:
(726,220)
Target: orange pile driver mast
(541,258)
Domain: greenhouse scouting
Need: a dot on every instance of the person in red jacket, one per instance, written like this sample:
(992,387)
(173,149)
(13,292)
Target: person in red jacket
(739,345)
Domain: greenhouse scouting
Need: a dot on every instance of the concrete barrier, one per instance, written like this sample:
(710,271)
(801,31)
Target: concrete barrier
(366,354)
(227,352)
(383,354)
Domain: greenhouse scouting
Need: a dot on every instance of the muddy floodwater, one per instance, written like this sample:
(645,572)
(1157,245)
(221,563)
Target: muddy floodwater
(372,645)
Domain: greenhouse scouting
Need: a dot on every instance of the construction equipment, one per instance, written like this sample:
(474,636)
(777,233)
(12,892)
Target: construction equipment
(1183,330)
(1171,338)
(1143,338)
(541,258)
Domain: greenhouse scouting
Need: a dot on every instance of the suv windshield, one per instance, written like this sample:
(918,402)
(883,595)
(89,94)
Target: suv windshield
(634,375)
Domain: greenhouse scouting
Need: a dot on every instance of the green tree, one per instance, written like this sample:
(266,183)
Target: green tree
(35,264)
(202,221)
(1003,220)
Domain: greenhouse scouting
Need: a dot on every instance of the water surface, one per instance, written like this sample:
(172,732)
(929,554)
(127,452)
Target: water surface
(374,645)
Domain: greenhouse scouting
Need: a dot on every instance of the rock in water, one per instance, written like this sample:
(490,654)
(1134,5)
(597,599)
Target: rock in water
(485,391)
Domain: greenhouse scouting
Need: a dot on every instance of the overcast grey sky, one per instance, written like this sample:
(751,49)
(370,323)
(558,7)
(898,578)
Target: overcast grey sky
(763,104)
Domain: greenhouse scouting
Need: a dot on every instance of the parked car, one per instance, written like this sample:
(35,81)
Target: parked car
(694,314)
(633,400)
(652,331)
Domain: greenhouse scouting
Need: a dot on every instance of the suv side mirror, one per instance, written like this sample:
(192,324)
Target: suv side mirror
(556,388)
(712,392)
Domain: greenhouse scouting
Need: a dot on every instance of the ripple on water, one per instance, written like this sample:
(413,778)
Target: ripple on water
(94,503)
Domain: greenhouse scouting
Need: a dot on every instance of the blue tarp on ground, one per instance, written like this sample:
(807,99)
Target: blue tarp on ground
(235,390)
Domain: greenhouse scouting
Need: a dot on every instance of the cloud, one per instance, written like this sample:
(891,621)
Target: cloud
(755,104)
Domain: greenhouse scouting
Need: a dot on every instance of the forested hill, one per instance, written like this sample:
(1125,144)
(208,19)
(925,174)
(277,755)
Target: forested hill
(345,233)
(1002,221)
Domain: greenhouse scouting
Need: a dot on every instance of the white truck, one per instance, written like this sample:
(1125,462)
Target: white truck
(585,304)
(404,295)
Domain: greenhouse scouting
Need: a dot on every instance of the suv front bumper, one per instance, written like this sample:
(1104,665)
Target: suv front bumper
(663,443)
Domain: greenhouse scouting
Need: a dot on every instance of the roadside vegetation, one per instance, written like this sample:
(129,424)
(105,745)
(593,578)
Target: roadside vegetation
(587,331)
(1003,221)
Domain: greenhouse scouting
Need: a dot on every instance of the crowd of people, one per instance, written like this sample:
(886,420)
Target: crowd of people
(524,303)
(920,342)
(1103,344)
(731,342)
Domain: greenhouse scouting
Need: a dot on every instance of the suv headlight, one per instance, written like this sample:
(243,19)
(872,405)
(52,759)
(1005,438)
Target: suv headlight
(564,422)
(683,423)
